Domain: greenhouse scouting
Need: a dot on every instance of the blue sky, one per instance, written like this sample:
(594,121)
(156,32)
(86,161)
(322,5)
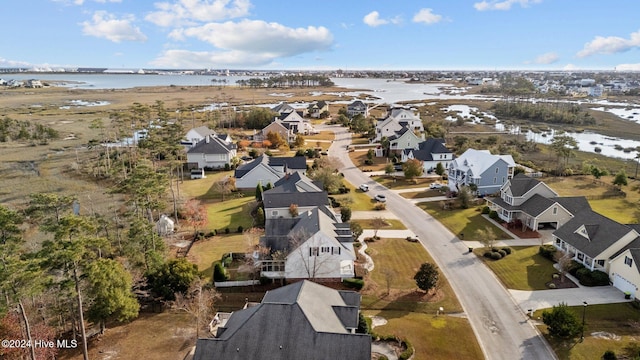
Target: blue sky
(323,35)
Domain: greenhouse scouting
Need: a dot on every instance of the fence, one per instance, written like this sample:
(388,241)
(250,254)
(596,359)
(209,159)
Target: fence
(223,284)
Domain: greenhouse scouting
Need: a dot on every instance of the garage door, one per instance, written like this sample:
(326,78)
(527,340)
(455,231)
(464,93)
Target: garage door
(623,285)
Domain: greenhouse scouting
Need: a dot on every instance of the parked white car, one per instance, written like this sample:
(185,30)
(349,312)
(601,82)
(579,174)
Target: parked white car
(381,198)
(435,185)
(364,187)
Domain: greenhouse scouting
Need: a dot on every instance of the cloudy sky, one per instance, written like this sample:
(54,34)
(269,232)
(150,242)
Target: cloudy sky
(323,35)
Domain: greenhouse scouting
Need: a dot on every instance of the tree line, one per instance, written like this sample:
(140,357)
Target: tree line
(286,81)
(553,113)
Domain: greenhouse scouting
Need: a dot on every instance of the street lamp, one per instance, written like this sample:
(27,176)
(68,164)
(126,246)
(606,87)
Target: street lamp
(584,311)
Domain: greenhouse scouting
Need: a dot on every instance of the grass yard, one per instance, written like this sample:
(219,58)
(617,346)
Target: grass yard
(607,319)
(355,199)
(204,253)
(393,224)
(392,182)
(322,135)
(164,336)
(437,338)
(359,156)
(523,269)
(462,221)
(399,260)
(423,194)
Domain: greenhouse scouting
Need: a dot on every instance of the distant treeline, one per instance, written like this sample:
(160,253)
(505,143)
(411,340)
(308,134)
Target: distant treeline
(554,113)
(17,130)
(287,81)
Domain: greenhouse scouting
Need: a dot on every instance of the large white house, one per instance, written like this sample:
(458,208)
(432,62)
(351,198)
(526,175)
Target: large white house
(267,169)
(396,120)
(212,152)
(488,172)
(431,152)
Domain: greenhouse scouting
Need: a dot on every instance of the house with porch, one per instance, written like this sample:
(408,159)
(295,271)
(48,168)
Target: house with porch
(211,153)
(197,134)
(404,139)
(278,127)
(431,152)
(396,120)
(486,171)
(296,123)
(318,108)
(535,204)
(358,107)
(303,320)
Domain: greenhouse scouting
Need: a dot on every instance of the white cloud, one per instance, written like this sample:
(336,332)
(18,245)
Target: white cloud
(13,63)
(427,16)
(548,58)
(628,67)
(373,19)
(502,5)
(186,12)
(105,25)
(245,43)
(610,45)
(570,67)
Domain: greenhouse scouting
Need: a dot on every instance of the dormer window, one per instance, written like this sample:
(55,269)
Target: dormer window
(628,261)
(582,231)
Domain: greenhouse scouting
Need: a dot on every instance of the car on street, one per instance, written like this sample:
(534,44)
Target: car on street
(364,187)
(380,198)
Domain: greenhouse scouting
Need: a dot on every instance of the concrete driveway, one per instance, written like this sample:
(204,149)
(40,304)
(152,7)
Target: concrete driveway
(501,327)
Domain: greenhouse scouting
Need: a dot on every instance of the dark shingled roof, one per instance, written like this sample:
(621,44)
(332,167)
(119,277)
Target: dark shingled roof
(277,199)
(212,145)
(290,163)
(521,184)
(427,148)
(303,320)
(602,231)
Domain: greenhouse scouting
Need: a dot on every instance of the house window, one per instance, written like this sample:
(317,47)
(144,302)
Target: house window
(600,263)
(497,169)
(558,241)
(495,180)
(274,213)
(335,251)
(555,210)
(581,256)
(325,249)
(628,261)
(503,179)
(313,251)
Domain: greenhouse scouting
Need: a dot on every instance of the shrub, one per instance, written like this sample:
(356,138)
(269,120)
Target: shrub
(592,278)
(211,233)
(240,228)
(486,210)
(408,352)
(548,251)
(502,253)
(551,286)
(226,230)
(227,167)
(507,250)
(368,162)
(487,254)
(219,273)
(379,206)
(493,215)
(609,355)
(354,283)
(496,255)
(574,267)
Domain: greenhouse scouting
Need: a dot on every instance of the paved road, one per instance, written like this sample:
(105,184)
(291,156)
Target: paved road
(501,327)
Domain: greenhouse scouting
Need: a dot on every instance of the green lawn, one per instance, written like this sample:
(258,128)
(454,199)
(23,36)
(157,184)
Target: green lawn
(422,194)
(523,269)
(434,338)
(204,253)
(233,212)
(322,135)
(355,199)
(622,210)
(393,224)
(617,319)
(392,182)
(462,221)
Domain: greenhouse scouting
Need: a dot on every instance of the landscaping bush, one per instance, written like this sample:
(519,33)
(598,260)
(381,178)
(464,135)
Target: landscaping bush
(219,272)
(487,254)
(502,253)
(240,229)
(494,215)
(507,250)
(368,162)
(548,251)
(496,255)
(226,230)
(379,206)
(211,233)
(609,355)
(486,210)
(592,278)
(551,286)
(354,283)
(408,352)
(574,267)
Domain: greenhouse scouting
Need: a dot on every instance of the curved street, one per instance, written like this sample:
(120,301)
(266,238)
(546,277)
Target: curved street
(501,327)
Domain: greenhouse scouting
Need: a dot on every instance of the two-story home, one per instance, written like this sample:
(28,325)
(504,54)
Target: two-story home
(196,135)
(357,108)
(431,152)
(303,320)
(488,172)
(318,108)
(277,127)
(267,169)
(295,123)
(396,120)
(314,246)
(535,204)
(211,152)
(294,194)
(403,139)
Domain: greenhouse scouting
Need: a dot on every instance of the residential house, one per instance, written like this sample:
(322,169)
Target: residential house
(295,123)
(535,204)
(396,120)
(318,108)
(623,269)
(357,108)
(431,152)
(296,189)
(196,135)
(278,127)
(283,108)
(594,240)
(488,172)
(403,139)
(267,169)
(211,153)
(315,246)
(303,320)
